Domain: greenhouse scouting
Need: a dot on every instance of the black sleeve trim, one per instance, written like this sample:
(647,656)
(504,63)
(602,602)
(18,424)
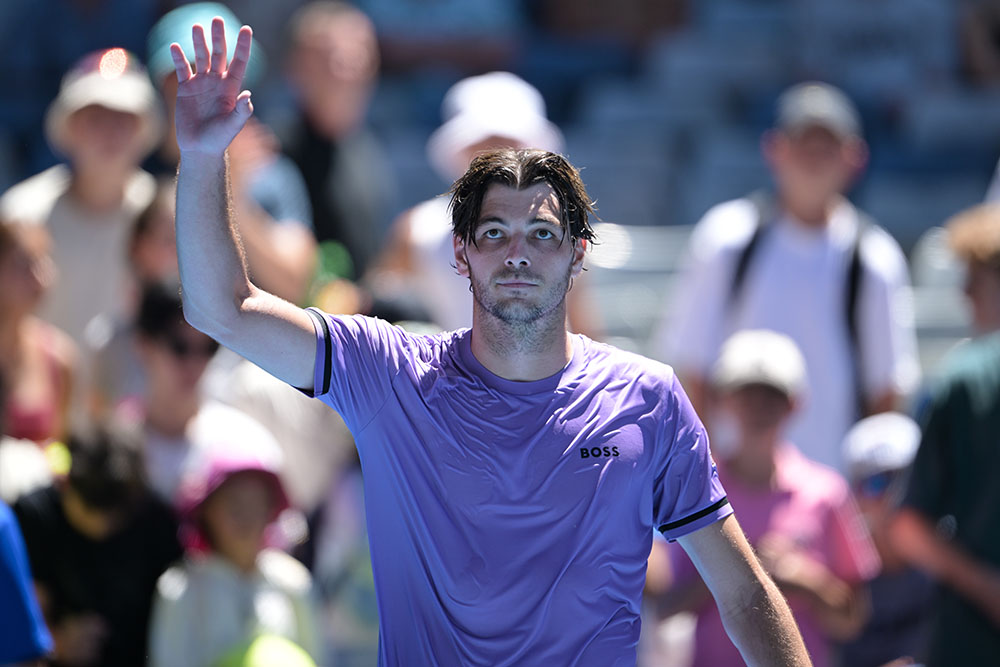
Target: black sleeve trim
(328,352)
(694,517)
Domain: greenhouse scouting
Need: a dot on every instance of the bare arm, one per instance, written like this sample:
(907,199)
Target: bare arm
(915,538)
(753,611)
(219,298)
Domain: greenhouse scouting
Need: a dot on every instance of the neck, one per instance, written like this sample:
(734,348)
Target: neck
(522,351)
(169,414)
(815,213)
(99,188)
(754,463)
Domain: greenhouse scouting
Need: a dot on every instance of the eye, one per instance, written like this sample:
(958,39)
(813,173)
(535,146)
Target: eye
(545,234)
(492,233)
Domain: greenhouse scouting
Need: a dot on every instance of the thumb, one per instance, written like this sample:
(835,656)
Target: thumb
(244,107)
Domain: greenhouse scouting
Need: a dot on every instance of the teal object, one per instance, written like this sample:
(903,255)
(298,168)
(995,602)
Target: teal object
(175,26)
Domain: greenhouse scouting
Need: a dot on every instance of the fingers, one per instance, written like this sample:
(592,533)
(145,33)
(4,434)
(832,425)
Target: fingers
(218,45)
(241,56)
(201,58)
(181,63)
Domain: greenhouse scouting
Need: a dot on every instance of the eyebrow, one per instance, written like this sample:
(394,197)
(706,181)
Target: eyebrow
(535,220)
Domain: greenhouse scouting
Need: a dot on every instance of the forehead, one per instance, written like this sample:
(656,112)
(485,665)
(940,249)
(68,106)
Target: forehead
(505,203)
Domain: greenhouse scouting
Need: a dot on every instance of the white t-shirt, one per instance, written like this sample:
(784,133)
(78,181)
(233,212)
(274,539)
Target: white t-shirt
(89,249)
(795,284)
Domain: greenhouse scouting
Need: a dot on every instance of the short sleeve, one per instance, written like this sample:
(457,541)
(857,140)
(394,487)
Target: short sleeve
(23,635)
(687,493)
(357,360)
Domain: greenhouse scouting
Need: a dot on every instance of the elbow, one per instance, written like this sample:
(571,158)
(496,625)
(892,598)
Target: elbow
(214,320)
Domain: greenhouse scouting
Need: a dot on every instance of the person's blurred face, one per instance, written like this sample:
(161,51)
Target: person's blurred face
(758,411)
(102,136)
(812,163)
(26,271)
(176,360)
(333,66)
(982,286)
(237,514)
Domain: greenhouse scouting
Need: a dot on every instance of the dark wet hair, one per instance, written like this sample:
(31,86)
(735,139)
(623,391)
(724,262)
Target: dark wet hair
(106,468)
(521,169)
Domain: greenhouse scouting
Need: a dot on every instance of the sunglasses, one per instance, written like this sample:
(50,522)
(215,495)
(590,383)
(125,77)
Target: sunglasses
(183,349)
(875,485)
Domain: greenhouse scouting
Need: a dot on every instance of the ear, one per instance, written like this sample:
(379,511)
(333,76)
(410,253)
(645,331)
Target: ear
(579,251)
(461,260)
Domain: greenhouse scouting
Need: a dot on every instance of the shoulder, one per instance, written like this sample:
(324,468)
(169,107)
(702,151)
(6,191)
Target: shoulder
(725,226)
(285,572)
(617,368)
(31,200)
(59,347)
(880,252)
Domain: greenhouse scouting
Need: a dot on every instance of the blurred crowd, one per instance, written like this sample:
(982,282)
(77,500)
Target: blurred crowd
(830,300)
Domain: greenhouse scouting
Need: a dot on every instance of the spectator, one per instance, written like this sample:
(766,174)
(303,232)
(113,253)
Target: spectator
(947,525)
(878,450)
(495,110)
(178,422)
(232,588)
(104,121)
(806,263)
(799,515)
(37,359)
(268,190)
(97,542)
(979,27)
(332,64)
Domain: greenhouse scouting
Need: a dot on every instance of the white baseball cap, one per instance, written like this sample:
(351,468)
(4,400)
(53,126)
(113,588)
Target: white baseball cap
(761,356)
(111,78)
(880,443)
(498,104)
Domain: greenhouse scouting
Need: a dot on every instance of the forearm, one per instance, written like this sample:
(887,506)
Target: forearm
(762,627)
(915,538)
(209,252)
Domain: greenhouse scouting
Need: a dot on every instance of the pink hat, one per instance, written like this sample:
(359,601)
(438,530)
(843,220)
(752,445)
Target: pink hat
(252,450)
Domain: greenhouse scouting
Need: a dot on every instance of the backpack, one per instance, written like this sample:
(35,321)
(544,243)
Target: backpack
(767,213)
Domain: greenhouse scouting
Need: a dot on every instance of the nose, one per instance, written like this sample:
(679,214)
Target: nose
(517,253)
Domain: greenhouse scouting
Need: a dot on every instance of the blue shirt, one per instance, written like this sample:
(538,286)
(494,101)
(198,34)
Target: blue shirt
(23,635)
(510,522)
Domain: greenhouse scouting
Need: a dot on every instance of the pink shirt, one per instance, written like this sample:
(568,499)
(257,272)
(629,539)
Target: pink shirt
(811,505)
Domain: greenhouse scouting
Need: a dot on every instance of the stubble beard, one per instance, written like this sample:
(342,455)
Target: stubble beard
(519,312)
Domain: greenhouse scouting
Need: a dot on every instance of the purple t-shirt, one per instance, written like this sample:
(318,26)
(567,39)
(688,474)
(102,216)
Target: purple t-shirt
(510,522)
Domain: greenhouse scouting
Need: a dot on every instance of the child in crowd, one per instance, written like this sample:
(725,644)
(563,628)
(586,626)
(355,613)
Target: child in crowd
(97,542)
(233,591)
(799,515)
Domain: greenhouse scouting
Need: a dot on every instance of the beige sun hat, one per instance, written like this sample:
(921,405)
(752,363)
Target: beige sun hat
(113,79)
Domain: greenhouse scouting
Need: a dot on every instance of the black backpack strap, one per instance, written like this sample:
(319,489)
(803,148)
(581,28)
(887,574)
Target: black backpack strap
(852,292)
(764,205)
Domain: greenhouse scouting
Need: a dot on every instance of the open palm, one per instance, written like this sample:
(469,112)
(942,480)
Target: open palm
(211,109)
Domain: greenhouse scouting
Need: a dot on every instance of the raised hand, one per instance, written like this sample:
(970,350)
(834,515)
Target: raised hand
(211,108)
